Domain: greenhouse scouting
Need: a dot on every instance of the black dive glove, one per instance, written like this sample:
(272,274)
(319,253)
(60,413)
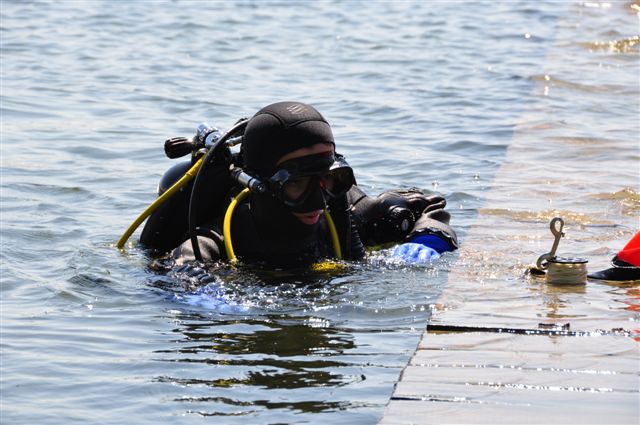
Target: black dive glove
(432,229)
(392,216)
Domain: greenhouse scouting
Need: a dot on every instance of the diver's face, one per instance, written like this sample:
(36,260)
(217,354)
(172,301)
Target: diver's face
(296,189)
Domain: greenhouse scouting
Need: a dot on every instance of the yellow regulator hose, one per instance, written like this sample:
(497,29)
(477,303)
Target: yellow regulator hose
(190,174)
(334,234)
(226,228)
(226,224)
(329,266)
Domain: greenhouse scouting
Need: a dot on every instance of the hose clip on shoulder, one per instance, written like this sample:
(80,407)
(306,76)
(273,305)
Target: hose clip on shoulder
(233,141)
(245,180)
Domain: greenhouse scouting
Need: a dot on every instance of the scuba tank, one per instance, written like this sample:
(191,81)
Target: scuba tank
(168,225)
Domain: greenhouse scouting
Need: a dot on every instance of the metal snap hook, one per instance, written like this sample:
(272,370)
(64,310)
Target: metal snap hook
(556,227)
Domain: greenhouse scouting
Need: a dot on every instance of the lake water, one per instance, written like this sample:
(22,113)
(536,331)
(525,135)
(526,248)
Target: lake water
(515,111)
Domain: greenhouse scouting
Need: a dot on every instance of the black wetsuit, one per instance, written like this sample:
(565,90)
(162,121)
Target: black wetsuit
(264,228)
(361,221)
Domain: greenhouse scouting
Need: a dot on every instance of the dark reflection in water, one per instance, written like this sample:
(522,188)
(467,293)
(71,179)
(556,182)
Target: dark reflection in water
(320,334)
(280,339)
(305,406)
(282,354)
(275,367)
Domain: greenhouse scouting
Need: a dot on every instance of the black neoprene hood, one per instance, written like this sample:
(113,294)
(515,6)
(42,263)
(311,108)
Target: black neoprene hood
(279,129)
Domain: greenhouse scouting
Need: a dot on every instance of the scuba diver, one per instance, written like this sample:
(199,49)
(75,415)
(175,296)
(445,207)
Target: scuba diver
(286,199)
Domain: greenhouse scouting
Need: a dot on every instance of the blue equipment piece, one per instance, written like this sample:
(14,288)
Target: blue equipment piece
(415,253)
(435,242)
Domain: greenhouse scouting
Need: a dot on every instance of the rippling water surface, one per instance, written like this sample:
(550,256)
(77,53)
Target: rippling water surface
(515,111)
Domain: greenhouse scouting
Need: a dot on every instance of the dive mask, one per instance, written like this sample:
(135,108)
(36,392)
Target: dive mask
(311,178)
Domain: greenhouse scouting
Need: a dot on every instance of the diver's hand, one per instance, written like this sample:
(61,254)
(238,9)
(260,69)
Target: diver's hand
(432,229)
(415,253)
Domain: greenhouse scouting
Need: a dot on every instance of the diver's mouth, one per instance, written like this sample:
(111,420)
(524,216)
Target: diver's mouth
(310,217)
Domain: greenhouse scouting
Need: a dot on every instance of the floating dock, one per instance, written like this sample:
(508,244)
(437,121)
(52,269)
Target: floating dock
(491,378)
(535,358)
(503,349)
